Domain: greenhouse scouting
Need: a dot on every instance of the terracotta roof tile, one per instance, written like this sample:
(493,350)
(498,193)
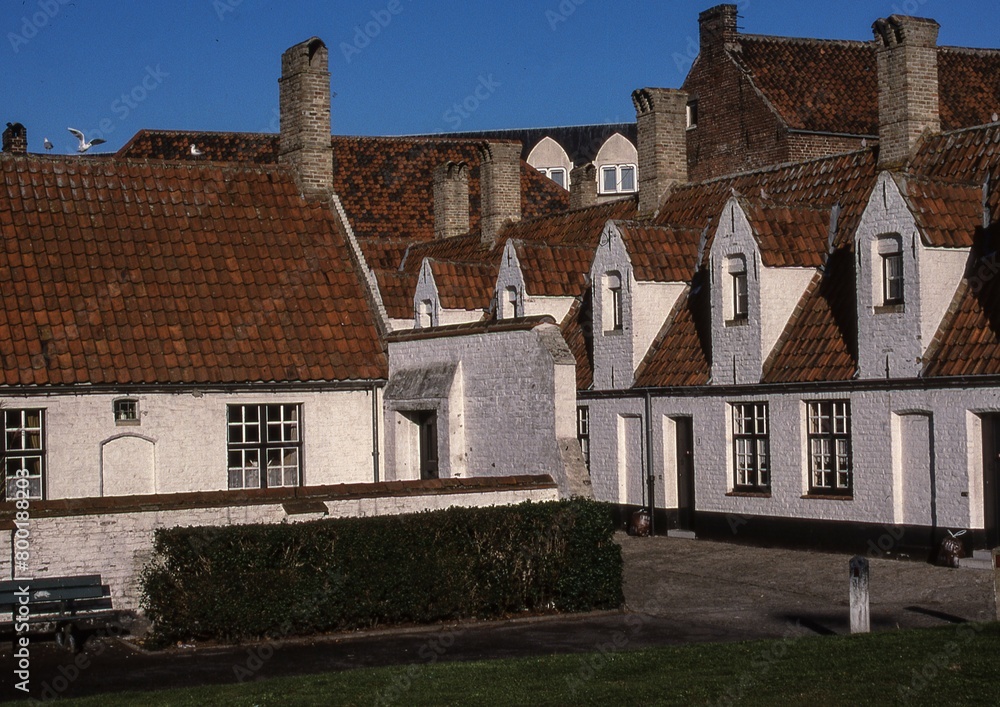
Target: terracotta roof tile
(102,302)
(832,86)
(467,286)
(576,328)
(661,253)
(947,213)
(397,290)
(820,340)
(552,270)
(681,353)
(789,235)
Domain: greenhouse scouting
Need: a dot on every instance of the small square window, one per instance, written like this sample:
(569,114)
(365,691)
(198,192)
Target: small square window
(558,175)
(126,411)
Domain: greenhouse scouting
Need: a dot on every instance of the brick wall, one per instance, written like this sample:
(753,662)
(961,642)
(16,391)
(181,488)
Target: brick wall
(500,186)
(304,98)
(661,116)
(451,200)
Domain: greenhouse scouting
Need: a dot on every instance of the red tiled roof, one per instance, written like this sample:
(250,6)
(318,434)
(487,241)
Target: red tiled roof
(660,253)
(258,148)
(553,271)
(947,213)
(968,341)
(819,342)
(832,86)
(396,289)
(580,227)
(681,353)
(789,235)
(575,329)
(467,286)
(125,272)
(460,249)
(485,326)
(383,253)
(969,156)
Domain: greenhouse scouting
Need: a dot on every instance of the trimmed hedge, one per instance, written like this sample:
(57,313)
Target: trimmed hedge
(245,582)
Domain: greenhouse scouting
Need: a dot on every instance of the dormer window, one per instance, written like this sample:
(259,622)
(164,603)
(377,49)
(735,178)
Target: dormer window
(890,249)
(425,314)
(618,179)
(510,306)
(739,300)
(613,302)
(557,175)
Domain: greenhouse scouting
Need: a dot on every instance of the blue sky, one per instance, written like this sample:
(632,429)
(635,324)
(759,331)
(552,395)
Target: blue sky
(397,66)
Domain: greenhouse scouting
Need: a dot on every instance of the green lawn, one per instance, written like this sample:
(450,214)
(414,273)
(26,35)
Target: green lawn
(943,666)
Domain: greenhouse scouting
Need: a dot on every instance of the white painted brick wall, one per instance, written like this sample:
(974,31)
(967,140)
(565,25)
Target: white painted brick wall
(189,437)
(614,351)
(883,487)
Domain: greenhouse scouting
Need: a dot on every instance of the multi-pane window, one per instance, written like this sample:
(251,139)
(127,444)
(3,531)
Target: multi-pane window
(126,411)
(268,437)
(556,174)
(23,453)
(618,179)
(751,447)
(830,447)
(583,432)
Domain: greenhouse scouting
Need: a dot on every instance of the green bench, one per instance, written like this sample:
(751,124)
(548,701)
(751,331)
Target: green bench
(61,604)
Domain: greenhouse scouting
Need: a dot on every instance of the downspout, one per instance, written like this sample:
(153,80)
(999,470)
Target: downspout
(650,478)
(375,453)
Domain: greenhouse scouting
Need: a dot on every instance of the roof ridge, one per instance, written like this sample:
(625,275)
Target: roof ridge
(852,43)
(772,168)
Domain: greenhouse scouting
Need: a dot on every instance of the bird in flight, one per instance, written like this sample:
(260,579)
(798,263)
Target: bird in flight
(84,145)
(47,144)
(195,152)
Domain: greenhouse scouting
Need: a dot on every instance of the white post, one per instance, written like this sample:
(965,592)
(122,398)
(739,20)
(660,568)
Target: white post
(860,622)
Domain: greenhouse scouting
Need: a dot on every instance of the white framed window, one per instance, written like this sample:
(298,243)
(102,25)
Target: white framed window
(751,448)
(23,454)
(890,250)
(738,306)
(268,437)
(126,411)
(557,175)
(510,305)
(613,305)
(425,314)
(618,179)
(830,463)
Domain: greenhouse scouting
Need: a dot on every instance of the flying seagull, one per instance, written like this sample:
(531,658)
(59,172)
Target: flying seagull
(84,145)
(195,152)
(47,144)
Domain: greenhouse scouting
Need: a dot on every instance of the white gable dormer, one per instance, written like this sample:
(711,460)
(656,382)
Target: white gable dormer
(426,302)
(509,294)
(904,285)
(751,301)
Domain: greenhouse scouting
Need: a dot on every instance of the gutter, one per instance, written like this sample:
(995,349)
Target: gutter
(195,389)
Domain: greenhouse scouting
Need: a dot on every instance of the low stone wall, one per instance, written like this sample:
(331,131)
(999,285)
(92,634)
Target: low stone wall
(113,536)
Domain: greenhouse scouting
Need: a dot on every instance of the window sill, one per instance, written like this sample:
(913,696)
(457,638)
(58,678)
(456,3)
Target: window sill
(890,308)
(128,423)
(828,497)
(741,321)
(749,494)
(614,332)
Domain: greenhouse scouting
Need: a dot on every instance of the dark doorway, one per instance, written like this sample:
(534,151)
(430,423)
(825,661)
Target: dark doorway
(427,422)
(991,478)
(685,473)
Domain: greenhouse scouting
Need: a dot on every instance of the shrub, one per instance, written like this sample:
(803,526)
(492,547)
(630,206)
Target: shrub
(254,581)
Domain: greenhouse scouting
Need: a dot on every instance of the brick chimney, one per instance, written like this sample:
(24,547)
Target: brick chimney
(661,115)
(583,186)
(499,186)
(451,200)
(304,97)
(718,30)
(15,139)
(907,85)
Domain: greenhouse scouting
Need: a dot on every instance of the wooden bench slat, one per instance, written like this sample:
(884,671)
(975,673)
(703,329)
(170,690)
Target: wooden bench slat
(54,596)
(83,580)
